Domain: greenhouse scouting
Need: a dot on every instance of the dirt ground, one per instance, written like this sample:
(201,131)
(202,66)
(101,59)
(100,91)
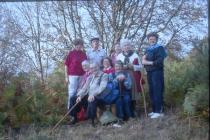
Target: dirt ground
(169,127)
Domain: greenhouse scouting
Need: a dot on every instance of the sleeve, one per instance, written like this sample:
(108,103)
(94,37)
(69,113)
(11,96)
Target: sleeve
(67,60)
(161,54)
(88,54)
(102,84)
(84,90)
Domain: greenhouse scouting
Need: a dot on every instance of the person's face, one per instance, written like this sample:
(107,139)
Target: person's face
(85,67)
(79,47)
(127,48)
(118,68)
(117,48)
(152,40)
(106,63)
(95,44)
(93,69)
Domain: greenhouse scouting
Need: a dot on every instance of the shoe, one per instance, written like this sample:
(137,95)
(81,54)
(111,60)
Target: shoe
(150,114)
(117,125)
(73,121)
(156,115)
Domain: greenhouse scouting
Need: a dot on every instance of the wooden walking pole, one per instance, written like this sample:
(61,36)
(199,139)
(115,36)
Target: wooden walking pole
(144,99)
(63,118)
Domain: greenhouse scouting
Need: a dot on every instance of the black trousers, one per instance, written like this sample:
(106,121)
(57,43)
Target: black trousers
(90,107)
(83,103)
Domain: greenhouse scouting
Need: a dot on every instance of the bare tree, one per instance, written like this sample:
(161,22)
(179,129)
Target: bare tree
(35,45)
(43,31)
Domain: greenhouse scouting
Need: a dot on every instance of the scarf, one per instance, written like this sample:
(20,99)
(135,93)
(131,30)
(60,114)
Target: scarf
(127,60)
(153,47)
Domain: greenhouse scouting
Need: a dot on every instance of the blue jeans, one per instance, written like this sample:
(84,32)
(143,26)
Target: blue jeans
(123,107)
(156,89)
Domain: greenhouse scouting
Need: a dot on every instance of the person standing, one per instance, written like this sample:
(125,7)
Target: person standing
(82,106)
(115,51)
(95,53)
(132,64)
(73,67)
(153,61)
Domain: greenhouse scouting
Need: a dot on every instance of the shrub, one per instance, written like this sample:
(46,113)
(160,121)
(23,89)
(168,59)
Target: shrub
(196,99)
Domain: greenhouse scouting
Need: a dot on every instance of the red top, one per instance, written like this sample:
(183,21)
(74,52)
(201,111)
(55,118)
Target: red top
(109,70)
(74,62)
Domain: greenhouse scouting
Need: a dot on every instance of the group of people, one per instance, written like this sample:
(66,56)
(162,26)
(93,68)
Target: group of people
(88,74)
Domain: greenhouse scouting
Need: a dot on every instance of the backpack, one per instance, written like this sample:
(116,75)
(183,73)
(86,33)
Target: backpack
(109,95)
(81,116)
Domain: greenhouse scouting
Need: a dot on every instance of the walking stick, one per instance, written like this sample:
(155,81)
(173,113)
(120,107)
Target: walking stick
(120,89)
(63,118)
(144,99)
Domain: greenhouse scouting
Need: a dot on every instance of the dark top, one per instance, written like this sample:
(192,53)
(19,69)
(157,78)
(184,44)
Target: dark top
(157,55)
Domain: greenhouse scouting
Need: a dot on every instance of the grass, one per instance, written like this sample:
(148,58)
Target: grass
(169,127)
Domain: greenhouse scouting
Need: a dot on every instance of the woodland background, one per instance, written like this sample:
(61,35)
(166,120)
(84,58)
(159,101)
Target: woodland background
(36,36)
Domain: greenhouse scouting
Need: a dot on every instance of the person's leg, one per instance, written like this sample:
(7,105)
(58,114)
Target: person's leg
(72,103)
(74,111)
(84,105)
(84,102)
(91,110)
(119,108)
(162,91)
(150,84)
(157,85)
(100,107)
(72,87)
(127,106)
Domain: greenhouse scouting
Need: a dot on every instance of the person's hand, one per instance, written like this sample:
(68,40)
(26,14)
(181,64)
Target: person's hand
(66,80)
(130,66)
(144,57)
(79,99)
(146,62)
(91,98)
(121,77)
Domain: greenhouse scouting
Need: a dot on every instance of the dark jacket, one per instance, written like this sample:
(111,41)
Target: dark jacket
(156,55)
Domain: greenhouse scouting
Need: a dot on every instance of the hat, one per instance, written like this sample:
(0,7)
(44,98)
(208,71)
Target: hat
(94,38)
